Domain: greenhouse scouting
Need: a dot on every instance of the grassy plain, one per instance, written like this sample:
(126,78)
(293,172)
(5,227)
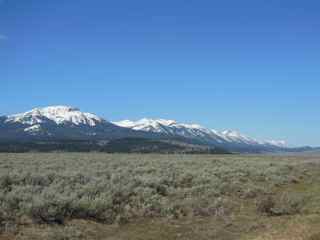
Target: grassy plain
(150,196)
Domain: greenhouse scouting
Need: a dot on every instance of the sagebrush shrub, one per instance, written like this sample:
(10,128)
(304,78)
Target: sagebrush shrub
(266,205)
(286,204)
(50,188)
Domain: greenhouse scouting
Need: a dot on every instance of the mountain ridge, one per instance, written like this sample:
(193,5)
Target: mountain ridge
(171,127)
(69,123)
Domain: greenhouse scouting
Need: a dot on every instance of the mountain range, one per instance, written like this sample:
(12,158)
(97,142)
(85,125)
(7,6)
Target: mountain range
(64,123)
(171,128)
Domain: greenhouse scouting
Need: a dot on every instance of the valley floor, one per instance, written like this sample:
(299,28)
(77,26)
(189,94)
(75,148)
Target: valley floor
(153,197)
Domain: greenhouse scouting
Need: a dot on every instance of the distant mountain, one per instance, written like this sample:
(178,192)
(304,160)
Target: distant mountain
(70,126)
(229,139)
(61,123)
(68,129)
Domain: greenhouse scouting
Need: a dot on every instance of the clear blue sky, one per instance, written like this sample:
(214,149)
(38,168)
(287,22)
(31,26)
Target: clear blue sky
(250,65)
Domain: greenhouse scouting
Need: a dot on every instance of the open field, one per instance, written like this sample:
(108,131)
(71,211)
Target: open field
(131,196)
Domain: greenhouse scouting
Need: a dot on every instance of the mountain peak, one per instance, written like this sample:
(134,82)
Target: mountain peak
(147,124)
(164,122)
(279,143)
(58,114)
(59,108)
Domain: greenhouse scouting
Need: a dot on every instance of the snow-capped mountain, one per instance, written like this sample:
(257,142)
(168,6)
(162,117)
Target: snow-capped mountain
(61,122)
(57,114)
(171,128)
(197,132)
(69,123)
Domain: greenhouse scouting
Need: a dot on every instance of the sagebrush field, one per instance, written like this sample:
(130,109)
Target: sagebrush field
(132,196)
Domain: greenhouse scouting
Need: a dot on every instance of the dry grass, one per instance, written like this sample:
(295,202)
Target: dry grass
(298,228)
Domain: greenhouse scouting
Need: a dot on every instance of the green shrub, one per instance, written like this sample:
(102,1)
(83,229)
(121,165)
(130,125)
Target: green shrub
(286,204)
(289,204)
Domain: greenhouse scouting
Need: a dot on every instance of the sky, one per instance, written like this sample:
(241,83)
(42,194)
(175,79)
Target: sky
(249,65)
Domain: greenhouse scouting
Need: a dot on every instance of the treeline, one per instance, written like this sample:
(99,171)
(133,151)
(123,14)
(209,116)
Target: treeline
(125,145)
(65,146)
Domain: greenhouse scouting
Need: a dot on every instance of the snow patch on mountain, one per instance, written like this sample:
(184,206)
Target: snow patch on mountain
(34,128)
(147,125)
(58,114)
(279,143)
(235,136)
